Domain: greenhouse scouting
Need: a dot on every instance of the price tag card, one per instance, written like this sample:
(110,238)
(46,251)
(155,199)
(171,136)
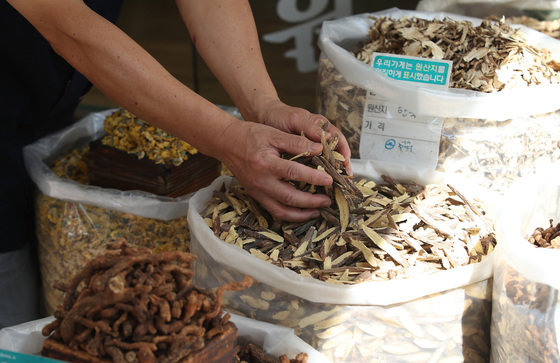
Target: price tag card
(394,134)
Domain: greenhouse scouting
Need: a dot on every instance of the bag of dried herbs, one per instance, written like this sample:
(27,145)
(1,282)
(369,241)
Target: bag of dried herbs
(392,271)
(75,221)
(545,10)
(525,302)
(495,120)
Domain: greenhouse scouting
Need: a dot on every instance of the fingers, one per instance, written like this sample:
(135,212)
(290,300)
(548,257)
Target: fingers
(313,126)
(285,202)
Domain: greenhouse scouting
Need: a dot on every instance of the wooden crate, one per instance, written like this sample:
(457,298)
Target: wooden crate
(112,168)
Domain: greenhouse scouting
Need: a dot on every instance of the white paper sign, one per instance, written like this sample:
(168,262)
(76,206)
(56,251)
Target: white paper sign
(394,134)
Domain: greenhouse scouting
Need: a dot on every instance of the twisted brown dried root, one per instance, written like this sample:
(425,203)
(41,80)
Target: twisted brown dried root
(133,305)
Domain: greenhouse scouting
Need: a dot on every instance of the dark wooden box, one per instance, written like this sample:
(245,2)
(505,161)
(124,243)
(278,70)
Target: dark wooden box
(112,168)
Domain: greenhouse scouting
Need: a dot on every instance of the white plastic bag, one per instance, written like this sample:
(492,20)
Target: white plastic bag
(27,338)
(437,315)
(74,221)
(526,306)
(493,137)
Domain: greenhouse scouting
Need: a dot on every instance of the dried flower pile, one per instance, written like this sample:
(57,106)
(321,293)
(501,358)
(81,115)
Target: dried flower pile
(487,58)
(127,132)
(371,232)
(133,305)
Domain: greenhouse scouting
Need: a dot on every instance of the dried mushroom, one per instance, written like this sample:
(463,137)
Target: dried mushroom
(129,133)
(371,232)
(130,304)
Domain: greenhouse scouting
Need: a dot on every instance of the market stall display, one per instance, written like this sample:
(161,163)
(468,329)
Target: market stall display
(525,300)
(131,304)
(496,121)
(389,272)
(76,220)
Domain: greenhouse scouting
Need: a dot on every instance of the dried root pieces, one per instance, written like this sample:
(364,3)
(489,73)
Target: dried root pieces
(370,232)
(489,57)
(546,237)
(130,304)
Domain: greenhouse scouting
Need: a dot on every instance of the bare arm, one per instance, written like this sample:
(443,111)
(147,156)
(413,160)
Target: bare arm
(225,34)
(127,74)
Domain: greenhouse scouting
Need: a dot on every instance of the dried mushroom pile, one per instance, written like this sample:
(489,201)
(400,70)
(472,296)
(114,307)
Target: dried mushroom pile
(127,132)
(72,233)
(487,58)
(130,304)
(371,232)
(526,308)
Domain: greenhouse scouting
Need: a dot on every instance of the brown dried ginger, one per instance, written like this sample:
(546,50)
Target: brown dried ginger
(487,58)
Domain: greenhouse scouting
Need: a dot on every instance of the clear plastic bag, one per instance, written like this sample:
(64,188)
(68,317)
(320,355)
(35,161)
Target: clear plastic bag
(74,222)
(525,302)
(491,137)
(431,317)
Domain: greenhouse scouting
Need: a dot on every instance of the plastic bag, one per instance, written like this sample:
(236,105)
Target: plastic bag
(27,338)
(428,318)
(492,137)
(76,221)
(526,305)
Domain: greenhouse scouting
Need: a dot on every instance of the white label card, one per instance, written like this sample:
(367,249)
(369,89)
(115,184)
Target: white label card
(394,134)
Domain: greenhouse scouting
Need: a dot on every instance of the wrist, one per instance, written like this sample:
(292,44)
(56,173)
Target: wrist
(257,108)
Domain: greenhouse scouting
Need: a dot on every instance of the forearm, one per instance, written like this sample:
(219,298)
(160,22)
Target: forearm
(125,72)
(226,27)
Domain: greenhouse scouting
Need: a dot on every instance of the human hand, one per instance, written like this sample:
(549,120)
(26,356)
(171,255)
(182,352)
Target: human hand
(296,120)
(252,152)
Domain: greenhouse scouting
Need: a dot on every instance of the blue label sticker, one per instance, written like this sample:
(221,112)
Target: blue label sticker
(414,69)
(390,144)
